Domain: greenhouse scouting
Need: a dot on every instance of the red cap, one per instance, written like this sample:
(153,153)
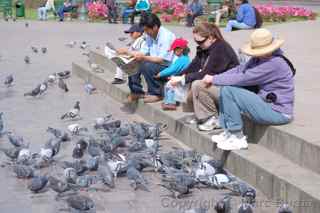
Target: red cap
(179,42)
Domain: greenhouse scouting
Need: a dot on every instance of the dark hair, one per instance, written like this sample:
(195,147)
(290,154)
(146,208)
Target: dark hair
(150,20)
(208,29)
(186,51)
(244,1)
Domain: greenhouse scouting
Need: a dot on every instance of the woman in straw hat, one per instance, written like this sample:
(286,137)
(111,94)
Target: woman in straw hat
(272,105)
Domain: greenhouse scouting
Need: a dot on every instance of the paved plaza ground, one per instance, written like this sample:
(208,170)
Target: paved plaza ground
(30,117)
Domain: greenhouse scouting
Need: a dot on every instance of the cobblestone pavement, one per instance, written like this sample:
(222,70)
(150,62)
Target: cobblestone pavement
(30,117)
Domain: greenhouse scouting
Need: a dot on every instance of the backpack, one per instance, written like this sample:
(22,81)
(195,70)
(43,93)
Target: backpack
(293,69)
(259,20)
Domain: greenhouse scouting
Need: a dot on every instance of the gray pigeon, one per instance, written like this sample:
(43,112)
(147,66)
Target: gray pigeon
(70,175)
(223,205)
(73,113)
(43,88)
(86,180)
(34,49)
(94,149)
(35,92)
(77,152)
(8,82)
(23,171)
(26,24)
(64,74)
(285,208)
(38,183)
(11,153)
(27,59)
(54,145)
(80,203)
(137,180)
(62,85)
(93,163)
(245,208)
(106,176)
(63,136)
(44,50)
(58,186)
(84,45)
(80,166)
(17,140)
(71,44)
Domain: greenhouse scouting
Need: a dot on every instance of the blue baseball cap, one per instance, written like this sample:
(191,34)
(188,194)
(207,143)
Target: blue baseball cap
(134,28)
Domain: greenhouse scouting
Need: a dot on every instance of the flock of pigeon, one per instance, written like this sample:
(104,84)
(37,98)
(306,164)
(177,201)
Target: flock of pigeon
(111,149)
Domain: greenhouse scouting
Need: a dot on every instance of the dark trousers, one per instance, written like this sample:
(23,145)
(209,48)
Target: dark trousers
(63,10)
(148,70)
(190,19)
(112,15)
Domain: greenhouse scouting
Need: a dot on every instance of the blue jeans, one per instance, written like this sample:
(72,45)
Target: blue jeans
(63,10)
(235,24)
(148,70)
(42,13)
(234,101)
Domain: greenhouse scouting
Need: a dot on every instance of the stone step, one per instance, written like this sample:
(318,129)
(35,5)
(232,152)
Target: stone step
(275,138)
(277,177)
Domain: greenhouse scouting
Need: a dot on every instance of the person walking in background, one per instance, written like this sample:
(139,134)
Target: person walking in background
(141,7)
(42,11)
(112,11)
(67,6)
(245,18)
(194,10)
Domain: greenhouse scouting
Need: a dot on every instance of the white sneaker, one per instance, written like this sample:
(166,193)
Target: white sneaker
(220,137)
(211,124)
(233,143)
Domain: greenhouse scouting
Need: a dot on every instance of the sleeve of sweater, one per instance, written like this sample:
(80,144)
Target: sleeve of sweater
(240,13)
(260,74)
(194,66)
(218,62)
(176,67)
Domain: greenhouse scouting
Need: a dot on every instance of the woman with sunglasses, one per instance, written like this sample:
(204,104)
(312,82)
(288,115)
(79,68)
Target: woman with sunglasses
(214,55)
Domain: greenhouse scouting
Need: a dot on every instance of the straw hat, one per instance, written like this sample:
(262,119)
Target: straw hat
(261,43)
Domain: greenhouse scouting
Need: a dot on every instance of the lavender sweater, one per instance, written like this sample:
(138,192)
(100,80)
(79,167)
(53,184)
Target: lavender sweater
(271,75)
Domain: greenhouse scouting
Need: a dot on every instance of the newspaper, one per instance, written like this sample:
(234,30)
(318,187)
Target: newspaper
(126,63)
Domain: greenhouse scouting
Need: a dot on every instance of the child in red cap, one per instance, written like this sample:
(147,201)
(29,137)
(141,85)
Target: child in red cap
(182,61)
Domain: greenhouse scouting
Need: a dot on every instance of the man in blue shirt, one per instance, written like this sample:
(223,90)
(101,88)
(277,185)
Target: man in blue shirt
(154,57)
(195,9)
(246,17)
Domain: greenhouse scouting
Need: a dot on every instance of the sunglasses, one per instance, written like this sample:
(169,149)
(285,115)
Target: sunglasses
(201,42)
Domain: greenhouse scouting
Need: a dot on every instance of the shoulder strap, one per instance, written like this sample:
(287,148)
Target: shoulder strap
(293,69)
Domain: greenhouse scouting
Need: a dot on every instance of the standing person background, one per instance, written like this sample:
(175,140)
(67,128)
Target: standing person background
(141,7)
(194,10)
(42,11)
(245,18)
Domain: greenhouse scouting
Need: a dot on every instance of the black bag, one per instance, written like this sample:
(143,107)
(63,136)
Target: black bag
(259,20)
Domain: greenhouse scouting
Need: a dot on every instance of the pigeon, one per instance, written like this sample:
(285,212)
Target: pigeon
(137,179)
(35,92)
(17,140)
(84,45)
(77,152)
(24,156)
(93,163)
(122,38)
(80,166)
(11,153)
(44,50)
(53,145)
(284,208)
(64,75)
(63,136)
(38,183)
(43,88)
(26,24)
(58,186)
(6,19)
(82,144)
(70,175)
(106,176)
(27,59)
(8,82)
(94,149)
(34,49)
(62,85)
(98,122)
(89,88)
(245,208)
(240,188)
(23,171)
(52,78)
(71,44)
(76,129)
(73,113)
(86,180)
(80,203)
(223,205)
